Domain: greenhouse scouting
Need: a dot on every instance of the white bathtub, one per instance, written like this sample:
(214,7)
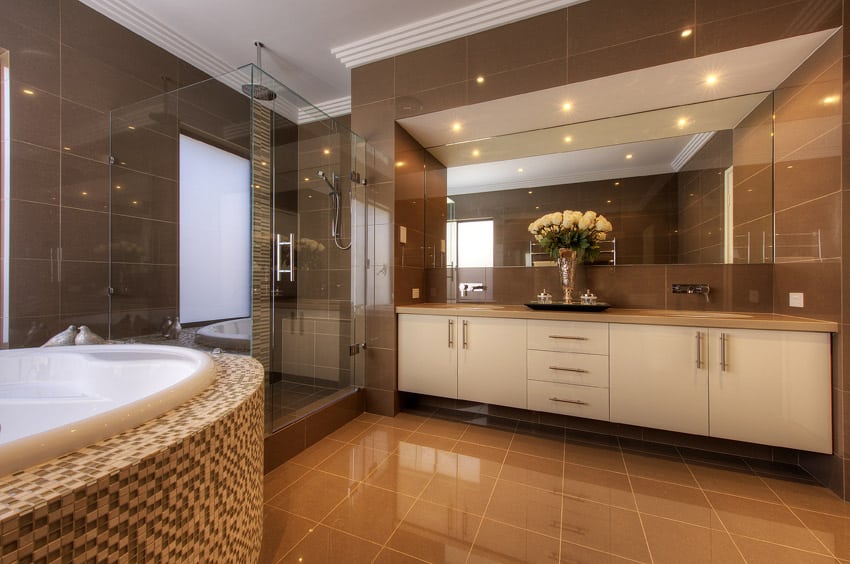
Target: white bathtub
(59,399)
(234,334)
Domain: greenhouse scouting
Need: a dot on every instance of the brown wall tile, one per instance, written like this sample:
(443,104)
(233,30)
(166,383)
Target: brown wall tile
(34,58)
(85,184)
(515,45)
(520,80)
(430,67)
(373,82)
(34,173)
(84,235)
(34,230)
(36,116)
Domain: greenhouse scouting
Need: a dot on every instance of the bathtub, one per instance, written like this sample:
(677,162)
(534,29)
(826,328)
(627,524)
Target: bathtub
(59,399)
(234,334)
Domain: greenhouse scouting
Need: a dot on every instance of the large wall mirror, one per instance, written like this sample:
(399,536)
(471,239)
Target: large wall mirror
(678,157)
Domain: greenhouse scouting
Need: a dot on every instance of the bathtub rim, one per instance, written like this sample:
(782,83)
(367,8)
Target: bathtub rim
(54,443)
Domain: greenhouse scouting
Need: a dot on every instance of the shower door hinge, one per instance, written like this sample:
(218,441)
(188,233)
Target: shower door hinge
(111,160)
(356,348)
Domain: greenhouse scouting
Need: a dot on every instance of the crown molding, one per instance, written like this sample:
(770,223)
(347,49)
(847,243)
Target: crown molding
(332,108)
(444,27)
(694,145)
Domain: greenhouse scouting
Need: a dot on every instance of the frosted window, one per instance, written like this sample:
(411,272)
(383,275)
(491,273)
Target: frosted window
(215,233)
(475,243)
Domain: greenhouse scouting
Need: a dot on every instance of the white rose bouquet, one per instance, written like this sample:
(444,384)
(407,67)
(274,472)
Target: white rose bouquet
(574,230)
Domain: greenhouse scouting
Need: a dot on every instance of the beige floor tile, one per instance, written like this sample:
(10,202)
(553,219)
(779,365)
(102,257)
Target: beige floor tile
(431,441)
(759,552)
(808,496)
(367,417)
(390,556)
(350,431)
(575,554)
(498,542)
(595,456)
(674,542)
(435,533)
(765,521)
(331,546)
(409,421)
(407,475)
(353,461)
(656,467)
(281,477)
(443,428)
(370,513)
(526,507)
(543,473)
(611,488)
(281,532)
(496,438)
(464,489)
(832,531)
(538,446)
(382,437)
(488,459)
(314,454)
(732,481)
(665,499)
(604,527)
(313,495)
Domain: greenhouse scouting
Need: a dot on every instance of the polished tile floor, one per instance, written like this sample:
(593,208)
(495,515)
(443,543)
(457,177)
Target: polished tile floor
(416,488)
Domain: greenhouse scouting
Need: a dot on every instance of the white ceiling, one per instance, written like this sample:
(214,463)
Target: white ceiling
(310,45)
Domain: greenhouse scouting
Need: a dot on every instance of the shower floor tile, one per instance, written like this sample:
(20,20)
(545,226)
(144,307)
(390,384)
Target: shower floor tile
(425,489)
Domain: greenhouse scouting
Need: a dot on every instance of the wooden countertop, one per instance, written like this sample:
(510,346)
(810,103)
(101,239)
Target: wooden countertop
(718,319)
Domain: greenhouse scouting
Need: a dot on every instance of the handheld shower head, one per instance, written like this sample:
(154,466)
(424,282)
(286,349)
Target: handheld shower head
(332,184)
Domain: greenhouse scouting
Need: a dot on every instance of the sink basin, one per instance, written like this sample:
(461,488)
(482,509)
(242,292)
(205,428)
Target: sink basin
(708,314)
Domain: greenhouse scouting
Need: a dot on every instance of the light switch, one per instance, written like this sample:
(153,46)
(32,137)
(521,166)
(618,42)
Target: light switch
(795,299)
(402,234)
(415,294)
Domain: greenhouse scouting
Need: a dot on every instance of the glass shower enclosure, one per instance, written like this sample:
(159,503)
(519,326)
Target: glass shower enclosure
(241,209)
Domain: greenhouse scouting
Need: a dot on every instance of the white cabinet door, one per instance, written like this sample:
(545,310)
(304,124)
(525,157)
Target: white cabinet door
(655,381)
(491,361)
(427,354)
(774,388)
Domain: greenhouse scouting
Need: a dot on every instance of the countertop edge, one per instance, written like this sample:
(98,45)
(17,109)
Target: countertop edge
(765,321)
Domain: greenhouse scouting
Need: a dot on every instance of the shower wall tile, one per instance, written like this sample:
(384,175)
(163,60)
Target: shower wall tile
(37,286)
(34,57)
(36,116)
(84,289)
(140,287)
(85,131)
(154,197)
(137,240)
(34,230)
(34,173)
(85,184)
(146,151)
(84,235)
(41,16)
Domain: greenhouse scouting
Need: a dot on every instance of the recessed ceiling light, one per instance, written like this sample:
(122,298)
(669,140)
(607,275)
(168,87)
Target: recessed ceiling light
(568,139)
(117,186)
(306,180)
(687,32)
(519,170)
(84,193)
(531,191)
(831,99)
(609,201)
(135,202)
(479,79)
(327,151)
(682,122)
(567,106)
(399,163)
(711,79)
(28,92)
(617,183)
(630,156)
(456,126)
(475,152)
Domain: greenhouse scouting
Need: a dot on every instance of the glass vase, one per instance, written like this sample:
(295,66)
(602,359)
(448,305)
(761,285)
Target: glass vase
(567,272)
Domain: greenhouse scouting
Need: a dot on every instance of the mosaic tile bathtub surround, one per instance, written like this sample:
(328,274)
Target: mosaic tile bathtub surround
(185,487)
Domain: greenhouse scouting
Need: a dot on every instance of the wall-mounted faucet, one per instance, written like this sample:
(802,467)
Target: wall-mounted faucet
(703,289)
(466,287)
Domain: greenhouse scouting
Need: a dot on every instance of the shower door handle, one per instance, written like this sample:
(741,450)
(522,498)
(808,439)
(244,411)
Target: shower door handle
(280,245)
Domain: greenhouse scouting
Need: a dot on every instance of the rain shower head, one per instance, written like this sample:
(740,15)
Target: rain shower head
(258,91)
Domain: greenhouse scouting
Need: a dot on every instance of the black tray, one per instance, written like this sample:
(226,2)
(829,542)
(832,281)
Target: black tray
(561,306)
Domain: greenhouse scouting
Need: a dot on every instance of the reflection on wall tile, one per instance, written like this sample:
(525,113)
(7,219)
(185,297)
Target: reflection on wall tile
(84,289)
(34,58)
(34,230)
(518,81)
(35,285)
(138,194)
(516,45)
(651,51)
(137,240)
(36,116)
(84,235)
(85,184)
(372,82)
(34,174)
(430,67)
(85,131)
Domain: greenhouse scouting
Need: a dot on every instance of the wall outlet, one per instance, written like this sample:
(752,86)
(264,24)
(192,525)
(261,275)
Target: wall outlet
(402,234)
(415,293)
(795,299)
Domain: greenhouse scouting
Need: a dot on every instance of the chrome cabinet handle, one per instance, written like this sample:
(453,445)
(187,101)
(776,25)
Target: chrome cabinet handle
(568,337)
(564,369)
(465,342)
(451,333)
(699,350)
(723,364)
(575,402)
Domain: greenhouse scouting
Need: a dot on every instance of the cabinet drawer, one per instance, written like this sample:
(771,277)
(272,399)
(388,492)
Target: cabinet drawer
(568,368)
(568,336)
(588,401)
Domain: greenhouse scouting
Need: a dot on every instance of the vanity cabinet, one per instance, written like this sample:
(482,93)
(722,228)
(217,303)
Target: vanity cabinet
(767,387)
(479,359)
(568,368)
